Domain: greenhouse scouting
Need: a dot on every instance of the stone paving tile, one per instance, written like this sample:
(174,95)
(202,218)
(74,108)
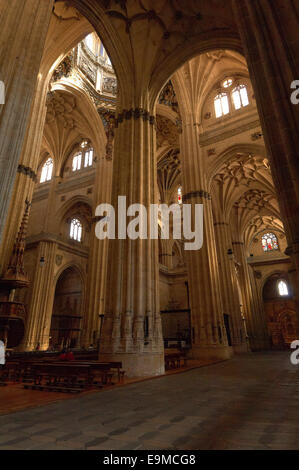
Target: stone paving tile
(137,445)
(94,430)
(20,444)
(112,444)
(69,436)
(52,446)
(237,404)
(7,437)
(157,445)
(131,434)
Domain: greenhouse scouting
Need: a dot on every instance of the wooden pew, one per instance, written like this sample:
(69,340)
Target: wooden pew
(10,371)
(174,359)
(103,369)
(61,377)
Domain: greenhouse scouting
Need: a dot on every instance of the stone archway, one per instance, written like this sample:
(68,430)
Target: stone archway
(280,312)
(67,314)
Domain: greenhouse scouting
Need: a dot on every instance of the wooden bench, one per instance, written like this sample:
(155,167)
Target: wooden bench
(98,365)
(60,377)
(10,371)
(100,370)
(174,359)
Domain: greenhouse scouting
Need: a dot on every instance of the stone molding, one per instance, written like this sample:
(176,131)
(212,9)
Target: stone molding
(209,138)
(221,223)
(194,194)
(62,243)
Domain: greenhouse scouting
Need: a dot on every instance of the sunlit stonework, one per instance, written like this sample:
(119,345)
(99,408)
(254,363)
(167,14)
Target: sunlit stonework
(163,102)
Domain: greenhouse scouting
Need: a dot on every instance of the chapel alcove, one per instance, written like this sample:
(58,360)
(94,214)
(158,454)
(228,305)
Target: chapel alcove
(280,311)
(67,318)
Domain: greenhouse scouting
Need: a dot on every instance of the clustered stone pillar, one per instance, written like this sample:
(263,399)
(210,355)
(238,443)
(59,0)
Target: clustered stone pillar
(209,337)
(97,260)
(38,323)
(132,331)
(27,170)
(166,254)
(269,32)
(229,288)
(24,25)
(254,316)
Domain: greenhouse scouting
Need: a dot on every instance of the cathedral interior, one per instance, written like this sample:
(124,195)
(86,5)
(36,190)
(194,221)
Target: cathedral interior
(164,102)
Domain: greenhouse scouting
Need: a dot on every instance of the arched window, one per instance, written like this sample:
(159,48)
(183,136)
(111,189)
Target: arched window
(227,83)
(269,242)
(88,157)
(76,230)
(282,288)
(47,171)
(240,97)
(180,195)
(77,160)
(90,42)
(83,157)
(221,105)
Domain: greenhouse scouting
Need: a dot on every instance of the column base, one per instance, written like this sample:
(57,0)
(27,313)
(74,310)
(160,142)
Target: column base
(257,344)
(137,365)
(211,352)
(241,348)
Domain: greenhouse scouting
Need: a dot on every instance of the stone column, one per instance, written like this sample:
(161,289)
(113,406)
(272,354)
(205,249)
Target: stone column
(255,320)
(23,27)
(166,255)
(27,168)
(132,331)
(258,305)
(38,323)
(97,259)
(269,32)
(229,288)
(208,331)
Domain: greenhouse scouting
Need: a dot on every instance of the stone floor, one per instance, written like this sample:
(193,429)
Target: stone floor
(249,402)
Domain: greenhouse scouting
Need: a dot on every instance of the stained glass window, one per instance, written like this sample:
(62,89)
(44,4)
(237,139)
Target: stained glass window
(269,242)
(221,105)
(227,83)
(180,195)
(47,171)
(76,230)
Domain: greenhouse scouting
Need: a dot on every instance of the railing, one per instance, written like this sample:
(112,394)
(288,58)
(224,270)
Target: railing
(176,326)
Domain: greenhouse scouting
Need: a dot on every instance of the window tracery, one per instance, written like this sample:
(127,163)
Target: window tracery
(47,171)
(76,230)
(229,98)
(282,288)
(269,242)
